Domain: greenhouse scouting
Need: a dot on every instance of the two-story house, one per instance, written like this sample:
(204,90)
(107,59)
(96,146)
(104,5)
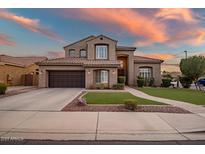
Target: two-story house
(94,60)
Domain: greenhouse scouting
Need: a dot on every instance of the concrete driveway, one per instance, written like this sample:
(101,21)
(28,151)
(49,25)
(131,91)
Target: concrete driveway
(47,99)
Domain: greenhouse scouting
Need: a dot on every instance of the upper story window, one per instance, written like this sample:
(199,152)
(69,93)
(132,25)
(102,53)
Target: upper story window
(72,53)
(83,53)
(145,72)
(101,52)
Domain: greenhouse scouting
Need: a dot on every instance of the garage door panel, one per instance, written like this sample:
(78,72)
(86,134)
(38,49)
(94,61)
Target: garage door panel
(70,79)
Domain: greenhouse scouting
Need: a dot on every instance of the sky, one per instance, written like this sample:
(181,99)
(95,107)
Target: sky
(157,33)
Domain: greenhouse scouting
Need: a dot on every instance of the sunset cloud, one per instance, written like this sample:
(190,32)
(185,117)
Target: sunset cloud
(127,19)
(5,40)
(192,36)
(148,28)
(30,24)
(162,56)
(185,15)
(192,33)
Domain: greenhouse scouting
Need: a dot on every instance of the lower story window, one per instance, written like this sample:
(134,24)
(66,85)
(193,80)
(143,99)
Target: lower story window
(101,76)
(145,72)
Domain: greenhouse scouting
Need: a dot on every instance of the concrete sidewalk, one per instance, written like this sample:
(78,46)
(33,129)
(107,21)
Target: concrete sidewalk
(101,126)
(197,109)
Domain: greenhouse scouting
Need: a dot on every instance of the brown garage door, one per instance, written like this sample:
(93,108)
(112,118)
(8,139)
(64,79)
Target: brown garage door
(71,79)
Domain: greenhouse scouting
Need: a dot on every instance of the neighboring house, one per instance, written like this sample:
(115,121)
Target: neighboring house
(94,60)
(171,69)
(19,70)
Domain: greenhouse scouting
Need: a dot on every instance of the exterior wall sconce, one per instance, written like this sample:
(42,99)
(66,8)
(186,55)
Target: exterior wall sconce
(88,71)
(40,72)
(113,71)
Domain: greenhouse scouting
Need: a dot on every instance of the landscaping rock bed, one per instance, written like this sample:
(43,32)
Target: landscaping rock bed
(73,106)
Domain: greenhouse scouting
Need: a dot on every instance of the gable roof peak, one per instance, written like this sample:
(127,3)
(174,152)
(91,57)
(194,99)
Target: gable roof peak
(89,37)
(101,35)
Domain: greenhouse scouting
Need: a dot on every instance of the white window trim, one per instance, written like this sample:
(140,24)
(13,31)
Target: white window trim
(85,54)
(72,50)
(104,76)
(100,54)
(146,72)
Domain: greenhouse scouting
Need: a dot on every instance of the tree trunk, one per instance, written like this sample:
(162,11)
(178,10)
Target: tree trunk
(196,85)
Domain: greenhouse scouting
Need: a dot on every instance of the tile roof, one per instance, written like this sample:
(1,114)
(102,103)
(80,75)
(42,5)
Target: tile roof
(102,36)
(21,61)
(87,38)
(81,62)
(102,63)
(140,59)
(125,48)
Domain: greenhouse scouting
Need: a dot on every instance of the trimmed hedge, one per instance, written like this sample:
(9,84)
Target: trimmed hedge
(140,82)
(185,81)
(121,79)
(100,86)
(3,88)
(118,86)
(166,82)
(151,82)
(130,104)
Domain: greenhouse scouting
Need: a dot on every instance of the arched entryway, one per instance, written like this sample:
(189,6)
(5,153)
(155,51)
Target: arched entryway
(123,69)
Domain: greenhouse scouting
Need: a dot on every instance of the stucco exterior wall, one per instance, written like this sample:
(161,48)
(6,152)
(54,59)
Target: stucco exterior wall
(156,68)
(77,47)
(102,40)
(16,74)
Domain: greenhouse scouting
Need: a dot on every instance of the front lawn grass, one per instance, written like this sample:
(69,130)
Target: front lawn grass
(115,98)
(186,95)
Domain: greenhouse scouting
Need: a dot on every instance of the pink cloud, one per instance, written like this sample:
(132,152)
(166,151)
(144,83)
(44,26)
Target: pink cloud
(193,36)
(127,19)
(180,14)
(193,33)
(5,40)
(30,24)
(162,56)
(150,28)
(55,54)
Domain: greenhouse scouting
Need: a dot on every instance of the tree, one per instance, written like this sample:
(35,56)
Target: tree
(193,67)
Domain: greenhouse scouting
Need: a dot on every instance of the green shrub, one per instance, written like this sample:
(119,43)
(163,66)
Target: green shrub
(140,82)
(130,104)
(100,86)
(118,86)
(146,81)
(151,82)
(121,79)
(166,82)
(139,77)
(167,76)
(185,81)
(3,88)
